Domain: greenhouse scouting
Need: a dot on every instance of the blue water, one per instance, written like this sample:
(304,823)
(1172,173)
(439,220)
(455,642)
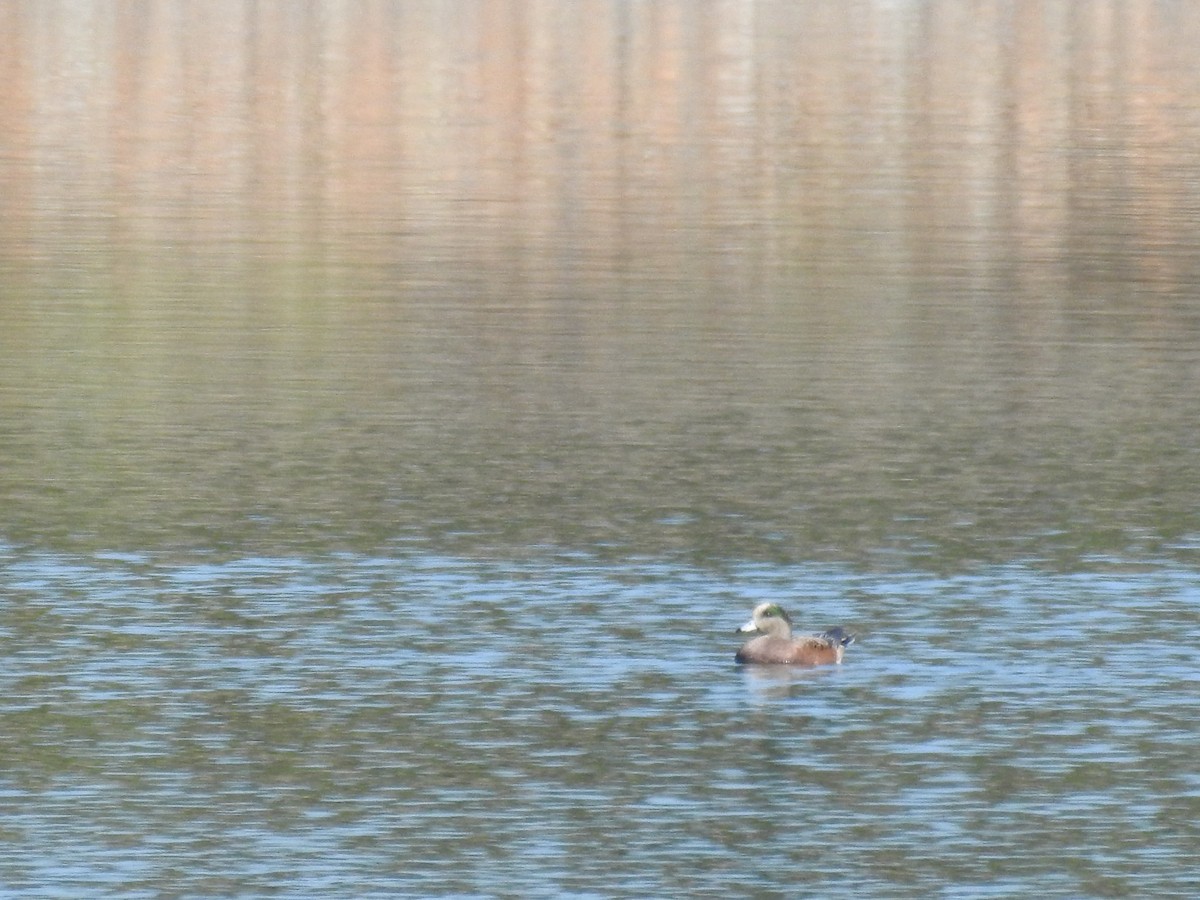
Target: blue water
(353,726)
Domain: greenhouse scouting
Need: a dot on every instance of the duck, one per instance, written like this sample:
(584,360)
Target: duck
(775,643)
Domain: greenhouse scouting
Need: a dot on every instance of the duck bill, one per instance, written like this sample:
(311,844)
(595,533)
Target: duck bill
(749,626)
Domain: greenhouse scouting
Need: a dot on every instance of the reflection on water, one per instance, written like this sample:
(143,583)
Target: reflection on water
(400,405)
(425,725)
(751,283)
(781,682)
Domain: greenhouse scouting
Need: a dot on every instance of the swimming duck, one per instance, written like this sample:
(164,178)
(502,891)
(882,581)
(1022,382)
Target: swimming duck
(775,643)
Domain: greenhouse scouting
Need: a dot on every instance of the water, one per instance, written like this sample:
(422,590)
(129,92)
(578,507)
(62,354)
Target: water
(380,726)
(402,404)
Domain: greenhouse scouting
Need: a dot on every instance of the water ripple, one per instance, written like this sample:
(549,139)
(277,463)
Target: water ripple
(360,726)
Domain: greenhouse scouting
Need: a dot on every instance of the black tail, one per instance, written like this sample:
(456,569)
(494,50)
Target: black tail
(838,635)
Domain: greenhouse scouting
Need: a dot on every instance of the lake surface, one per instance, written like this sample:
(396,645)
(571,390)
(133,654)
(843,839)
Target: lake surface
(402,404)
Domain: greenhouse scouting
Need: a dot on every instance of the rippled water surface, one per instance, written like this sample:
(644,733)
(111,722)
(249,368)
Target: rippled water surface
(401,404)
(366,726)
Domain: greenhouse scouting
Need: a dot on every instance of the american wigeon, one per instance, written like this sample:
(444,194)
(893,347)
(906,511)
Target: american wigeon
(775,643)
